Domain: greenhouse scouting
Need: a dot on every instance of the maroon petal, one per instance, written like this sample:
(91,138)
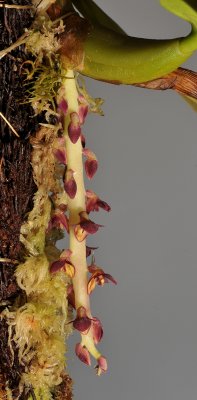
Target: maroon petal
(74,128)
(57,265)
(59,220)
(104,205)
(63,106)
(91,167)
(63,221)
(90,226)
(82,322)
(70,185)
(60,155)
(97,330)
(93,202)
(102,365)
(66,254)
(62,207)
(71,296)
(91,164)
(83,354)
(83,110)
(110,278)
(82,325)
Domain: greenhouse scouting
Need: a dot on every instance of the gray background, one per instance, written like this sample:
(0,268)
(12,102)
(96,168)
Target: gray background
(147,150)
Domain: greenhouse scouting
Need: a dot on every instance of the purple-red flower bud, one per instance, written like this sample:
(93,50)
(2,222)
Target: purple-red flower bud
(74,128)
(60,155)
(63,106)
(83,110)
(70,185)
(97,330)
(83,354)
(91,164)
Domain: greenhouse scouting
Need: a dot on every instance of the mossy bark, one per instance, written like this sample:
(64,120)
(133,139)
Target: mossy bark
(17,189)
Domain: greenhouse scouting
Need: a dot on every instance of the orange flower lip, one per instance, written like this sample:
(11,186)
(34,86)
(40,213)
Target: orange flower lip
(63,264)
(85,227)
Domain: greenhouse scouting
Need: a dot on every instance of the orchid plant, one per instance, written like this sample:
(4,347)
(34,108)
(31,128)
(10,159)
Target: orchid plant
(46,47)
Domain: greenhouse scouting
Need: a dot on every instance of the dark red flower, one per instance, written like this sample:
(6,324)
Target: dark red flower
(74,128)
(85,227)
(70,185)
(60,155)
(82,353)
(59,220)
(82,322)
(97,330)
(83,110)
(99,277)
(63,264)
(91,164)
(63,106)
(93,202)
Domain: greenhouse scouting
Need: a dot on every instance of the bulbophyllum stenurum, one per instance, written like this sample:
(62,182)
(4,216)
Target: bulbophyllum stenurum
(73,108)
(60,40)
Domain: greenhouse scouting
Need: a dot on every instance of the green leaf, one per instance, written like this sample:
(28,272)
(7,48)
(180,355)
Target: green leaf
(96,15)
(185,9)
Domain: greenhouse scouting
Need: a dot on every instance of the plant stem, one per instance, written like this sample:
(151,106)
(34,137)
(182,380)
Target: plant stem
(76,205)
